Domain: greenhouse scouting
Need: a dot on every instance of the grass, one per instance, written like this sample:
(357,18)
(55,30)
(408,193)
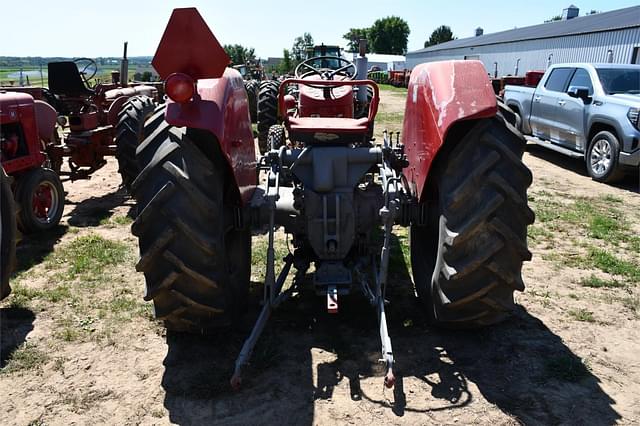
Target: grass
(595,282)
(27,357)
(582,315)
(88,256)
(568,368)
(390,88)
(115,221)
(632,303)
(607,262)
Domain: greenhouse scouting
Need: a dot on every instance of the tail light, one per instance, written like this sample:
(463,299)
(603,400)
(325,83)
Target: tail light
(180,87)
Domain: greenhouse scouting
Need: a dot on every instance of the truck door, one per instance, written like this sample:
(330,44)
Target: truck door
(544,106)
(572,111)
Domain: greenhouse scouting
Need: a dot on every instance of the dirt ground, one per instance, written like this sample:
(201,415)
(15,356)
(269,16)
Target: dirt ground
(80,346)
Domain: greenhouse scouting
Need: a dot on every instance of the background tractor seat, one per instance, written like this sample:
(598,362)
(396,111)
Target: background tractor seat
(64,79)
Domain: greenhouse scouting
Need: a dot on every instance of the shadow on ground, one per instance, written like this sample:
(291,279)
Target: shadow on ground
(630,183)
(520,366)
(34,248)
(93,210)
(15,324)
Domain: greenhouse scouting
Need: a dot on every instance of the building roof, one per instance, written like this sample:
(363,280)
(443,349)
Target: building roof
(616,19)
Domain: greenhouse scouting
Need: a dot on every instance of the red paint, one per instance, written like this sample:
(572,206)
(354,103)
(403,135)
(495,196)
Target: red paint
(188,46)
(221,107)
(42,201)
(348,122)
(180,87)
(19,108)
(439,95)
(313,101)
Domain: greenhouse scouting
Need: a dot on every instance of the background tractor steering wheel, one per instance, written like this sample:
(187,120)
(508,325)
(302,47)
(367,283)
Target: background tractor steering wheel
(87,68)
(325,73)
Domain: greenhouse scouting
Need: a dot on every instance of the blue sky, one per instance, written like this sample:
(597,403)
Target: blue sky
(87,28)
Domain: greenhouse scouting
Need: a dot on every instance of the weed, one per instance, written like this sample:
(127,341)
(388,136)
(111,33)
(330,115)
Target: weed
(582,315)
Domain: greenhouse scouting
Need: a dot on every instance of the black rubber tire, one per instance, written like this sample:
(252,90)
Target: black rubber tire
(614,171)
(196,264)
(467,259)
(251,86)
(26,187)
(154,121)
(9,234)
(276,137)
(129,133)
(267,111)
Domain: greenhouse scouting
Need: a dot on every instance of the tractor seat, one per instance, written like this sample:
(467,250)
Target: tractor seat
(328,125)
(328,130)
(64,79)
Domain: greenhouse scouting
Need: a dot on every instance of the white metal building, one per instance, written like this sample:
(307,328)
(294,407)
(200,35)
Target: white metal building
(602,37)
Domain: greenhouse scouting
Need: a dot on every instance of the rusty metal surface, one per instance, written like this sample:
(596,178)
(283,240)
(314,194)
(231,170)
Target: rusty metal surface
(189,46)
(439,95)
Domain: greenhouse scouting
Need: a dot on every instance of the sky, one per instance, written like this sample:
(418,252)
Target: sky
(86,28)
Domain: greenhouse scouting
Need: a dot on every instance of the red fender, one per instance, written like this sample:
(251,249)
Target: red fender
(220,106)
(441,94)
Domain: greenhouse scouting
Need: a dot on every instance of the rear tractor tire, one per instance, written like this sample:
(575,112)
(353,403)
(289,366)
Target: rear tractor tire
(196,263)
(467,259)
(40,197)
(129,133)
(267,111)
(8,234)
(251,86)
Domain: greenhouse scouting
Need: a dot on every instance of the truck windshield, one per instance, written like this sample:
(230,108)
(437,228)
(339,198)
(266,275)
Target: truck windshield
(619,80)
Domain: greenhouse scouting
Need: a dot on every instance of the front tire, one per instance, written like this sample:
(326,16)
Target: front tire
(40,196)
(602,158)
(196,263)
(8,235)
(467,259)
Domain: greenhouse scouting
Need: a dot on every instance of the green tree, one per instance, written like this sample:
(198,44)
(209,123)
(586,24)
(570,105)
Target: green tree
(299,48)
(239,54)
(554,18)
(389,35)
(353,36)
(286,65)
(440,35)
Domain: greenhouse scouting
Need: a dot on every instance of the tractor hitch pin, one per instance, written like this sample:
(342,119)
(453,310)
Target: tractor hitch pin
(332,299)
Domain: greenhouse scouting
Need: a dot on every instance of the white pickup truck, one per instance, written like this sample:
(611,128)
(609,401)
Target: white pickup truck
(590,111)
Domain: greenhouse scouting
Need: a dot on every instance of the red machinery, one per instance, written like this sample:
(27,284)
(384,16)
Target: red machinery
(26,126)
(456,180)
(7,234)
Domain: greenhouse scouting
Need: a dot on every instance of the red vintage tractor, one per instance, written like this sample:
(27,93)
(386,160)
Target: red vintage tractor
(456,180)
(8,232)
(26,126)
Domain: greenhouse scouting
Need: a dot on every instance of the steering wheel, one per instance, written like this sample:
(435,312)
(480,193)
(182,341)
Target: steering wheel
(87,68)
(326,73)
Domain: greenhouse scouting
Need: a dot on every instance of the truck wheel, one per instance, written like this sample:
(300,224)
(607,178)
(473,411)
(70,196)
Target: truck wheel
(267,111)
(251,86)
(129,133)
(467,259)
(40,196)
(196,263)
(602,158)
(8,234)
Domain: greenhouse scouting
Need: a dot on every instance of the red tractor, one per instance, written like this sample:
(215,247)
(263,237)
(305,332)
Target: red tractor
(456,181)
(7,234)
(26,126)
